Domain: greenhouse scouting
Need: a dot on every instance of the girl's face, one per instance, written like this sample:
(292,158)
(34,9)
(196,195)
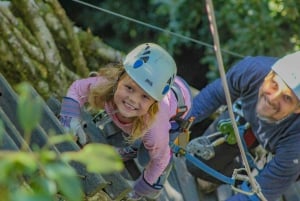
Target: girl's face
(275,99)
(131,100)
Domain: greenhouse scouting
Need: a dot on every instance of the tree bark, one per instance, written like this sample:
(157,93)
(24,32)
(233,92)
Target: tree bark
(39,44)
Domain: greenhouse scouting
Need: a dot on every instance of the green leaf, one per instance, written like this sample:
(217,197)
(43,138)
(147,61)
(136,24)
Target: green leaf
(98,158)
(5,167)
(26,160)
(31,196)
(56,139)
(29,108)
(43,185)
(66,179)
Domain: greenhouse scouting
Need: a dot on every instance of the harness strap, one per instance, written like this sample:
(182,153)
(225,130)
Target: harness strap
(180,127)
(181,106)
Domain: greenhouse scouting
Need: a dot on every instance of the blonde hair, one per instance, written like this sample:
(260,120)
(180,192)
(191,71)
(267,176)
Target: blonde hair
(104,92)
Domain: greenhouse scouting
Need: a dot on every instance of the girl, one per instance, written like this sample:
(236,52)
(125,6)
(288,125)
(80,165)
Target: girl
(138,99)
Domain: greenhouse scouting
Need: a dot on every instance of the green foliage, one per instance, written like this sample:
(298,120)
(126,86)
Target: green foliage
(43,174)
(95,156)
(29,108)
(253,27)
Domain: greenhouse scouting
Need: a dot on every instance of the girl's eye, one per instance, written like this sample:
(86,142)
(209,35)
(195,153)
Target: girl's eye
(129,88)
(146,97)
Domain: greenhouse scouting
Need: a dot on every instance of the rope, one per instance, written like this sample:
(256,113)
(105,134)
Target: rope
(155,27)
(214,31)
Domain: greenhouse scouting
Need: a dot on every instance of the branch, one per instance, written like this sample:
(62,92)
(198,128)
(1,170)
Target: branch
(30,13)
(72,40)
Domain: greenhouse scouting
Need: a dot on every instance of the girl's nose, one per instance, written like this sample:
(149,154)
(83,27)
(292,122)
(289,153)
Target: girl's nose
(134,97)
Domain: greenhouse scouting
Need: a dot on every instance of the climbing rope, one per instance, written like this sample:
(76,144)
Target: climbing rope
(210,12)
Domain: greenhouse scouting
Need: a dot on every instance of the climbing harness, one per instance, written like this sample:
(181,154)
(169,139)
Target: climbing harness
(203,147)
(180,131)
(181,106)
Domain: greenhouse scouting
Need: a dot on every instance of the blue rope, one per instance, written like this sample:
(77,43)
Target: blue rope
(201,165)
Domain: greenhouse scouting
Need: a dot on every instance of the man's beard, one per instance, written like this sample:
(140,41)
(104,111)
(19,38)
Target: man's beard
(270,120)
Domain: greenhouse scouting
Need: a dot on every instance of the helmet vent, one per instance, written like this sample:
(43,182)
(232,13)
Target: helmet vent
(166,89)
(146,52)
(145,59)
(138,63)
(149,82)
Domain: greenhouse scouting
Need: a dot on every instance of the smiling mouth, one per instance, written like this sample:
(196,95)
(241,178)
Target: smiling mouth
(269,105)
(129,106)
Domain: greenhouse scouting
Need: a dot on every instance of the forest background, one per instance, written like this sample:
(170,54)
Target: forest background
(264,27)
(50,45)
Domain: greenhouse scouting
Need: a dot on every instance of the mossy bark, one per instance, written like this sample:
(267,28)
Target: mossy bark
(39,44)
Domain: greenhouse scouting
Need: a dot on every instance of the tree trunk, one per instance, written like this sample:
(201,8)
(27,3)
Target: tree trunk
(39,44)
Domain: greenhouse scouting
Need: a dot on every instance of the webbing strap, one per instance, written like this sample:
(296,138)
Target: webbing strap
(181,106)
(198,163)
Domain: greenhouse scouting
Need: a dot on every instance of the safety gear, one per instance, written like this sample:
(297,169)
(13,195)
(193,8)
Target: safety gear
(180,126)
(127,153)
(70,119)
(144,189)
(152,68)
(181,105)
(288,70)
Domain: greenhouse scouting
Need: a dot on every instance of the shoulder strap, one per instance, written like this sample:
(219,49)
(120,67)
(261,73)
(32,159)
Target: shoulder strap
(181,106)
(105,123)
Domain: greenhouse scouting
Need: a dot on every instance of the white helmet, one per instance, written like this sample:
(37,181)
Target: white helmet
(152,68)
(288,68)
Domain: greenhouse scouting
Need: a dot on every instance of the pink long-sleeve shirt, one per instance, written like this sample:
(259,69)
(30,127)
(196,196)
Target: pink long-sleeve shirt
(156,139)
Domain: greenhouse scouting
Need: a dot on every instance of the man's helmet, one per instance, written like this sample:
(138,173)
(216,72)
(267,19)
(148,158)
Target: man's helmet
(288,69)
(152,68)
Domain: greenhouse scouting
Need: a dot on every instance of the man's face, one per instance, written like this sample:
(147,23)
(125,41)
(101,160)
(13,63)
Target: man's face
(275,99)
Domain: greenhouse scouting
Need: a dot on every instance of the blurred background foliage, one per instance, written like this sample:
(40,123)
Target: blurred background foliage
(253,27)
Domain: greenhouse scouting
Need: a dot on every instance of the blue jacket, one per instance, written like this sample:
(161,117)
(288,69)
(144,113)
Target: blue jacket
(280,138)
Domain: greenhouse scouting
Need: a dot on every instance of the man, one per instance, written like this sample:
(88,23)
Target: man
(269,89)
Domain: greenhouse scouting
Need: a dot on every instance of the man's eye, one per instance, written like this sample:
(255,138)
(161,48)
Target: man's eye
(287,98)
(274,83)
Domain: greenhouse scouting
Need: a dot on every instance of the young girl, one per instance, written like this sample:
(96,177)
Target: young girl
(138,99)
